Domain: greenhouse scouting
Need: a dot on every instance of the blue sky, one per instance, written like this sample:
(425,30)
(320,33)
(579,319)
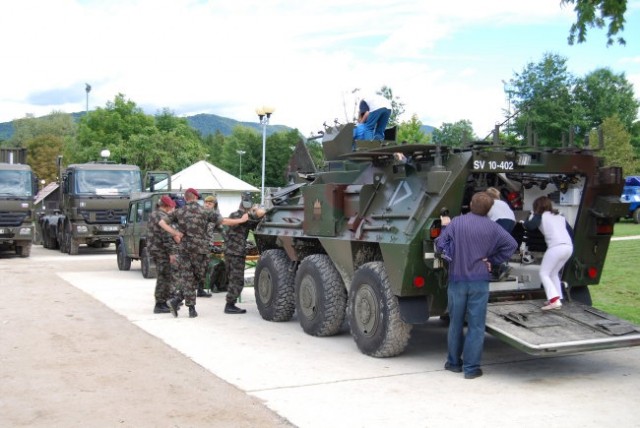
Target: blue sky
(445,60)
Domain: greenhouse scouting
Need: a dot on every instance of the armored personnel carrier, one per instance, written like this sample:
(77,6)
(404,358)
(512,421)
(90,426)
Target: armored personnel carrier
(356,242)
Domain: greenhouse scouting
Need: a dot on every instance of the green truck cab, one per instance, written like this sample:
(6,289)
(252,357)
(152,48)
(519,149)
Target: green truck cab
(18,187)
(90,201)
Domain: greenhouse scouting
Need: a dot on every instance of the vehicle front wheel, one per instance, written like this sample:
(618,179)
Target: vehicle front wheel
(273,286)
(374,314)
(636,215)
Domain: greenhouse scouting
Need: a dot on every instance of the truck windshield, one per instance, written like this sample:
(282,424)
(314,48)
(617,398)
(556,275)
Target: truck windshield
(15,183)
(107,182)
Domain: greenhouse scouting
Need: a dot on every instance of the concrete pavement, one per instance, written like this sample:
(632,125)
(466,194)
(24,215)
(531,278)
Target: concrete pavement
(320,382)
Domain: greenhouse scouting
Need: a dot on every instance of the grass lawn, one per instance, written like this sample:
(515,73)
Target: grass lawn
(619,290)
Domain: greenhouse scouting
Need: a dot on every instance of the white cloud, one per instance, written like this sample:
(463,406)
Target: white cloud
(227,58)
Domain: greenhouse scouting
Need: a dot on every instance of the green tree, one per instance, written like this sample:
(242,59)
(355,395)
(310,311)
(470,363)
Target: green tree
(596,13)
(44,138)
(55,124)
(454,134)
(602,93)
(163,142)
(618,150)
(42,152)
(542,95)
(411,132)
(111,128)
(214,145)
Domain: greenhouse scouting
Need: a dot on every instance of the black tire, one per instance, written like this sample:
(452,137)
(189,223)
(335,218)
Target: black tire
(636,215)
(321,298)
(124,261)
(581,295)
(374,314)
(148,267)
(62,239)
(24,250)
(72,244)
(273,286)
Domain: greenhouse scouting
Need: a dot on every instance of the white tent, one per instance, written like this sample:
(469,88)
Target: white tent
(208,178)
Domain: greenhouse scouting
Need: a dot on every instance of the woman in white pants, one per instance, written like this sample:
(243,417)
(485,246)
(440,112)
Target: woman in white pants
(557,235)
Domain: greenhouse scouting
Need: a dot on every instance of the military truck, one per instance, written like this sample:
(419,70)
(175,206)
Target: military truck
(17,188)
(356,242)
(91,200)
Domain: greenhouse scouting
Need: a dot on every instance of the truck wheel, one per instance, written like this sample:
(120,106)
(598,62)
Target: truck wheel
(62,239)
(321,298)
(148,267)
(72,245)
(124,262)
(24,250)
(636,215)
(374,315)
(273,286)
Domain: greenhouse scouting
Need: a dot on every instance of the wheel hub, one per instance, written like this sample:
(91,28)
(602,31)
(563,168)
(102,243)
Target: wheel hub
(265,287)
(308,298)
(366,310)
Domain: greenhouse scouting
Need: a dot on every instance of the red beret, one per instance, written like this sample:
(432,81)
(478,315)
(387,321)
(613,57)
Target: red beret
(193,191)
(167,201)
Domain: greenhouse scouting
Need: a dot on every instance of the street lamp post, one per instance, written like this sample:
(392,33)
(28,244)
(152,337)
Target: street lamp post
(87,88)
(240,152)
(264,113)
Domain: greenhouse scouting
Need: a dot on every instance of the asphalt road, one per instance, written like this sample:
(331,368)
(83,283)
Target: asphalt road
(327,382)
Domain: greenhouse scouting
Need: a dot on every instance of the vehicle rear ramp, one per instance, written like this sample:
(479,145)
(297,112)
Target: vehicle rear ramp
(573,328)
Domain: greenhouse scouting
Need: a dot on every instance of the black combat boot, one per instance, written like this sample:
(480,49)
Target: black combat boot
(161,308)
(174,305)
(231,308)
(203,293)
(192,311)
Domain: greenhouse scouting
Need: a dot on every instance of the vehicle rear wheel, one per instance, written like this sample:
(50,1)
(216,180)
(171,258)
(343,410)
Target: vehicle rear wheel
(273,286)
(636,215)
(124,262)
(147,264)
(374,314)
(321,298)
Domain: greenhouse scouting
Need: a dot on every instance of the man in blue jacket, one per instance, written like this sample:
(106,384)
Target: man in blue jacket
(472,243)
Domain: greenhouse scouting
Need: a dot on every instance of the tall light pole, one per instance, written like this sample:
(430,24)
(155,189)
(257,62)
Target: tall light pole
(240,152)
(87,88)
(264,113)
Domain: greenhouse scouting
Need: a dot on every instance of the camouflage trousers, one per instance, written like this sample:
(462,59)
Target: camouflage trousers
(164,279)
(236,277)
(190,273)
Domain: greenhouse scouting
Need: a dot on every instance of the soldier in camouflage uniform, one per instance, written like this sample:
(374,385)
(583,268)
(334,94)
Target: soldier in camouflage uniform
(236,251)
(193,252)
(162,250)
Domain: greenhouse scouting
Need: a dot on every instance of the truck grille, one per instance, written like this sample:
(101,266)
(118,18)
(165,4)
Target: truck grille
(12,218)
(103,216)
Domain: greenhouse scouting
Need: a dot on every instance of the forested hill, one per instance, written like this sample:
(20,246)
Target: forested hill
(204,123)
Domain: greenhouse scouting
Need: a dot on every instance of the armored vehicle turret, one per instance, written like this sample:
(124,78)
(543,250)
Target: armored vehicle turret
(356,242)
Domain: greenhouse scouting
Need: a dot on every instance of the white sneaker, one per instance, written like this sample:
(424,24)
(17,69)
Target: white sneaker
(555,305)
